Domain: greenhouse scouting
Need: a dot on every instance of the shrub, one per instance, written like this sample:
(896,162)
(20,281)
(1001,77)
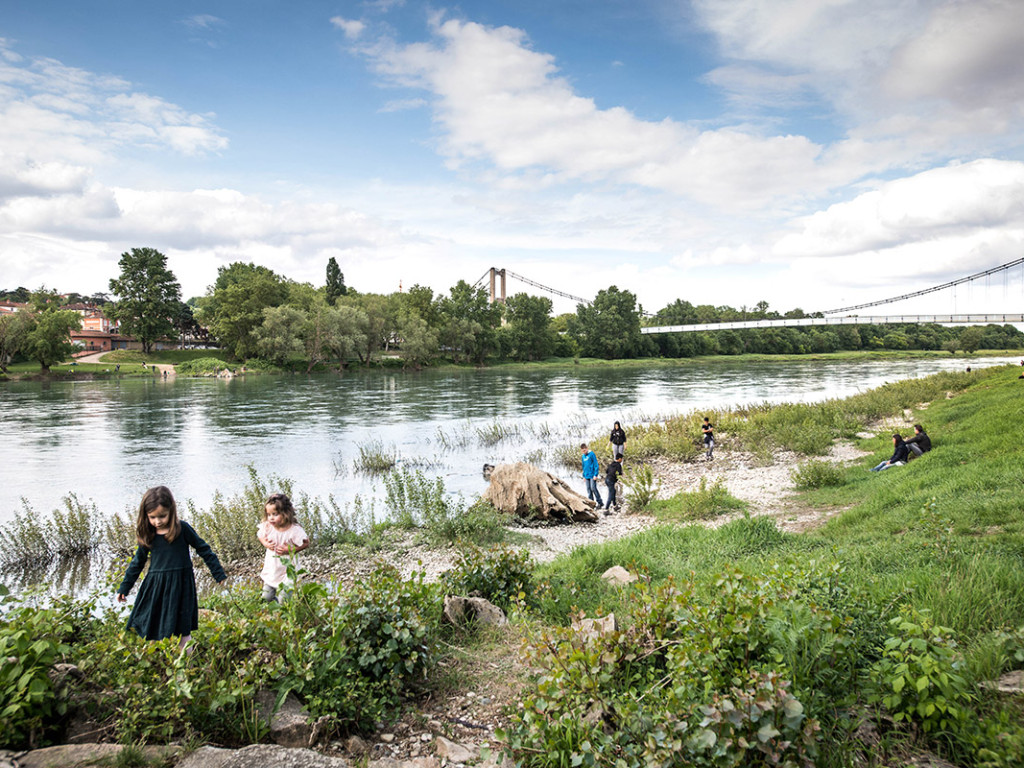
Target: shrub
(918,678)
(31,640)
(501,575)
(641,485)
(817,474)
(200,366)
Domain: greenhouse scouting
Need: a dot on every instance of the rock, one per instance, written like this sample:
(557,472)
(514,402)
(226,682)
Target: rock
(387,738)
(356,746)
(260,756)
(454,752)
(460,610)
(289,725)
(590,629)
(528,492)
(416,762)
(617,575)
(81,755)
(1011,682)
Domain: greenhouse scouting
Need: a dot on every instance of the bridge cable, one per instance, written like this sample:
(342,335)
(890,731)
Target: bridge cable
(951,284)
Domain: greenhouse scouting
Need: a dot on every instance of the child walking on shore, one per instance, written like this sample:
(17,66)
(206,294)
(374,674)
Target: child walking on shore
(280,534)
(167,603)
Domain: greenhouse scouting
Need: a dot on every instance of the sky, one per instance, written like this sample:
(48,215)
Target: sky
(807,153)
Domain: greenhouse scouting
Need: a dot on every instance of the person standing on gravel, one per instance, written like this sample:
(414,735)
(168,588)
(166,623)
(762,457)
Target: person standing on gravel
(611,475)
(709,437)
(618,441)
(591,469)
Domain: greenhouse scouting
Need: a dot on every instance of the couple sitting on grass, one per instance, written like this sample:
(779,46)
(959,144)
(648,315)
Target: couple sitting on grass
(917,445)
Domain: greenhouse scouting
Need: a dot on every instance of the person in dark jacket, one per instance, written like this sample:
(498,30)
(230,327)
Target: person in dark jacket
(920,443)
(618,440)
(611,474)
(899,454)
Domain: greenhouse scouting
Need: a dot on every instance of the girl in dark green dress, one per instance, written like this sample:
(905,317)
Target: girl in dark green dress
(167,603)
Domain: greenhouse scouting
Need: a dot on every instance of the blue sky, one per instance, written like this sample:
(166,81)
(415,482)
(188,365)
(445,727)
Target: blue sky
(809,153)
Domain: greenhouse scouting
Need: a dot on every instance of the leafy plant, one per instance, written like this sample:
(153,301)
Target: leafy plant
(641,485)
(31,640)
(501,575)
(918,679)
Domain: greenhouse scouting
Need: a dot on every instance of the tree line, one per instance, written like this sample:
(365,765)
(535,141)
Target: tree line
(253,312)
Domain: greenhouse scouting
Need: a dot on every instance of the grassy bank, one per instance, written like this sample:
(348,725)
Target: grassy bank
(858,643)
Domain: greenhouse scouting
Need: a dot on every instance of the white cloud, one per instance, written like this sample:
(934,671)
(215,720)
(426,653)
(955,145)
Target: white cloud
(503,105)
(52,113)
(352,28)
(202,22)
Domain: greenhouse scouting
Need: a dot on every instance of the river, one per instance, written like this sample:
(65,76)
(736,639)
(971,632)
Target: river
(108,440)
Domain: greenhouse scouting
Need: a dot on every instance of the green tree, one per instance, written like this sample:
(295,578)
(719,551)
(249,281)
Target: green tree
(335,281)
(14,331)
(333,332)
(379,322)
(970,338)
(610,326)
(419,340)
(279,337)
(49,340)
(234,308)
(148,296)
(469,322)
(529,327)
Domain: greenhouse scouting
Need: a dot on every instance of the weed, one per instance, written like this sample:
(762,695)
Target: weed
(817,474)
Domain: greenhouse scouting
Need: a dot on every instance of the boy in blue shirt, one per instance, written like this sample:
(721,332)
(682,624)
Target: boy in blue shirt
(591,469)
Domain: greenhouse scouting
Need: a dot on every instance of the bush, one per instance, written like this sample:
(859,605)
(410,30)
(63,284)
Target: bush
(501,575)
(817,474)
(31,641)
(201,366)
(641,486)
(918,679)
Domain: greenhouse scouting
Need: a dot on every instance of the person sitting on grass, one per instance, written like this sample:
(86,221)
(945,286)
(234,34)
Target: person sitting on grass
(899,454)
(920,443)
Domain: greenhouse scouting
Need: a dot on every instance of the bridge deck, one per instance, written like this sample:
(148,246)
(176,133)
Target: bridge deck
(834,320)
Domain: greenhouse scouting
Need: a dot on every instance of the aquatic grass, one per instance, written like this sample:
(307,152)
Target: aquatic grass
(73,529)
(375,458)
(496,431)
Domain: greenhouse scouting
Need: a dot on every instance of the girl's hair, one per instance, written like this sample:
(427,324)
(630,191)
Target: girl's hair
(897,437)
(160,496)
(283,505)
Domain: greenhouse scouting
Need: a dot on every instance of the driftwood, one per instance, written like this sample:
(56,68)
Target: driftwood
(523,490)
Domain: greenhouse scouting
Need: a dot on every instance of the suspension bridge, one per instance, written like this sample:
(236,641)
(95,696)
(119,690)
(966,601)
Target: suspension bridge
(841,316)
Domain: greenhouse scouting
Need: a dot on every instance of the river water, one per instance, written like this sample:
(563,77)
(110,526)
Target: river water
(107,441)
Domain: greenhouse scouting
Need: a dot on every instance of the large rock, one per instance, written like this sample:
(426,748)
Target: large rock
(81,755)
(523,490)
(289,725)
(260,756)
(460,610)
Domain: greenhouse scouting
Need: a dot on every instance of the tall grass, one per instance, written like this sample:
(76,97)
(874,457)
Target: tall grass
(73,529)
(375,458)
(703,503)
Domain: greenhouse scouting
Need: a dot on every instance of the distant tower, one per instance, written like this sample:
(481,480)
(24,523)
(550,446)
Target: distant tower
(399,286)
(494,273)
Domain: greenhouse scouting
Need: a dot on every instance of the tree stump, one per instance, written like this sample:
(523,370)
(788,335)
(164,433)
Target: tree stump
(523,490)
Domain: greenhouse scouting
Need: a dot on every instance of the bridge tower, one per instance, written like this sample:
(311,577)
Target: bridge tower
(495,272)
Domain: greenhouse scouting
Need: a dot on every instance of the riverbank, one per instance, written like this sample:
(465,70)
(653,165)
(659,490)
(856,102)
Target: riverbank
(107,364)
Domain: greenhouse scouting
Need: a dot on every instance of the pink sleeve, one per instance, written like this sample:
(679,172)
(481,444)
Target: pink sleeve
(296,535)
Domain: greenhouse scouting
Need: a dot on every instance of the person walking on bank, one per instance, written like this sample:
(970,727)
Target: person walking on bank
(611,475)
(618,441)
(167,604)
(920,443)
(709,437)
(591,469)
